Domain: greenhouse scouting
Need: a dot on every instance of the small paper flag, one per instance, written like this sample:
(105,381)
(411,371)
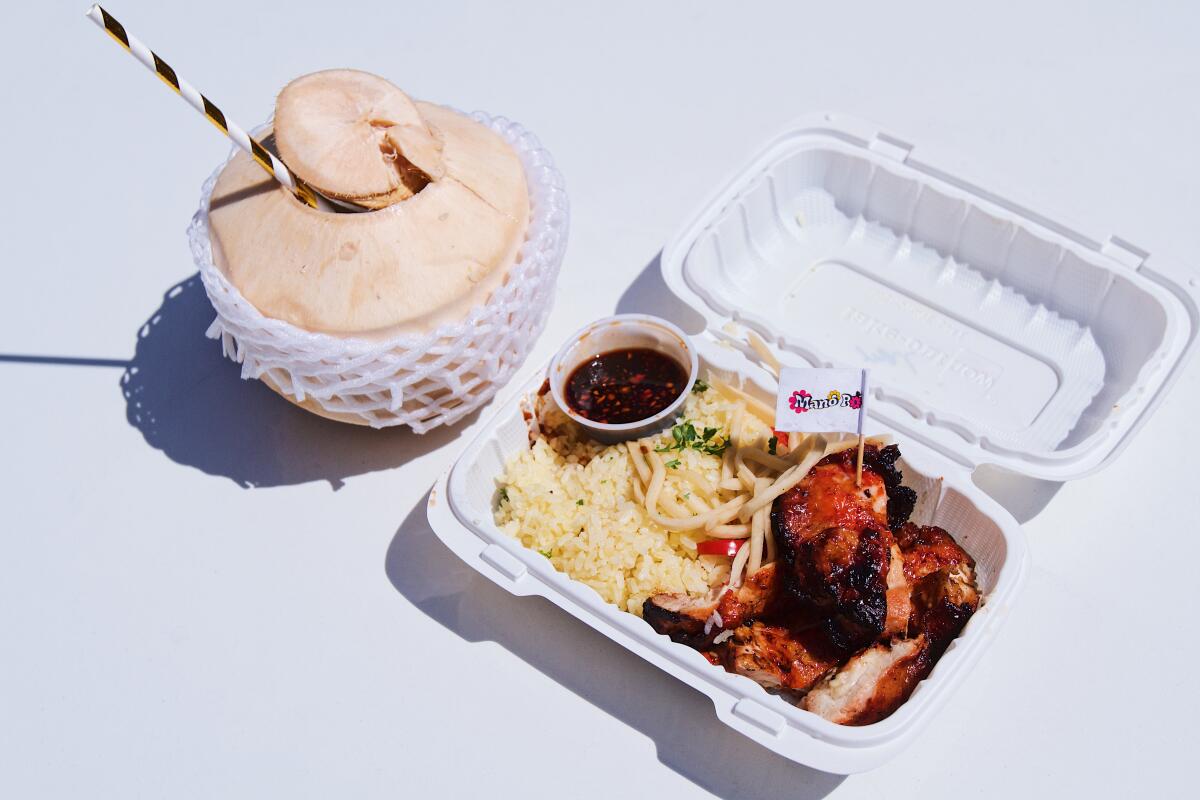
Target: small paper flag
(821,400)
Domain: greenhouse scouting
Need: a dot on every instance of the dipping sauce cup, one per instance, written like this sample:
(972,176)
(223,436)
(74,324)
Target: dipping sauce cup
(623,332)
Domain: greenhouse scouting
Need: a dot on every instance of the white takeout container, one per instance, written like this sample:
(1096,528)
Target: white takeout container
(994,336)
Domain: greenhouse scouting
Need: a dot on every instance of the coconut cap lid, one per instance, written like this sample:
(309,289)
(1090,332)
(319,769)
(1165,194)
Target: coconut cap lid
(356,137)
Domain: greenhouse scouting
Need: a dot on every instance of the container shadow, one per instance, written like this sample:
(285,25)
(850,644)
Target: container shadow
(1022,496)
(191,403)
(689,738)
(649,294)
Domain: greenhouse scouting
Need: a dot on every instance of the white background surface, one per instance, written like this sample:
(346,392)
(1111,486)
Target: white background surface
(206,593)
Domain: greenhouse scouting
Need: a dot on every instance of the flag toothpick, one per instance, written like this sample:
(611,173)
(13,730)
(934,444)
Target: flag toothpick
(862,446)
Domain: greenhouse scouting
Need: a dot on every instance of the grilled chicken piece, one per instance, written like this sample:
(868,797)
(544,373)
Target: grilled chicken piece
(835,539)
(680,617)
(853,575)
(844,572)
(928,548)
(872,684)
(777,657)
(684,618)
(944,594)
(899,597)
(943,602)
(828,498)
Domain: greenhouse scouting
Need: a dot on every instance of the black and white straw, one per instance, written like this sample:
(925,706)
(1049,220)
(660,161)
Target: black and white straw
(260,154)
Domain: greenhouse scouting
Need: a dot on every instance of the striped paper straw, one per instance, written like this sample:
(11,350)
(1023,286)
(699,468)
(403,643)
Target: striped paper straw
(260,154)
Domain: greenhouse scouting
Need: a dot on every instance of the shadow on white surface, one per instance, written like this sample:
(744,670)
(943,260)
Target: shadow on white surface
(681,721)
(191,403)
(61,361)
(648,294)
(1024,497)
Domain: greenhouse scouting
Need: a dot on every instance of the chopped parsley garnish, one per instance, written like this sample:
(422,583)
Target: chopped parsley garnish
(579,502)
(773,445)
(685,437)
(699,387)
(502,495)
(673,463)
(546,553)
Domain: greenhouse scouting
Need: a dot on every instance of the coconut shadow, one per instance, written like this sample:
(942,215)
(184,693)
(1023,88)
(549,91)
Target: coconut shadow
(190,402)
(687,734)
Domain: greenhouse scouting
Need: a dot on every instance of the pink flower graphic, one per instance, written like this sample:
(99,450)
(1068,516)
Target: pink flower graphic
(796,401)
(856,400)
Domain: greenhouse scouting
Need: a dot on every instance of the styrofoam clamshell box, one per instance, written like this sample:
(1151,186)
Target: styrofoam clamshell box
(993,335)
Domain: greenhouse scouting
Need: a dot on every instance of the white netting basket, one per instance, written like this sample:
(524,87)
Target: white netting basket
(417,380)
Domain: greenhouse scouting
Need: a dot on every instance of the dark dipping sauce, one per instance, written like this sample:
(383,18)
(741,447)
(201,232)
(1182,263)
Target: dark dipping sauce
(625,385)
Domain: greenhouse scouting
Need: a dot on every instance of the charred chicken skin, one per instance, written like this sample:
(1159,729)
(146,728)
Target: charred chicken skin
(696,621)
(836,542)
(859,606)
(942,575)
(776,656)
(876,681)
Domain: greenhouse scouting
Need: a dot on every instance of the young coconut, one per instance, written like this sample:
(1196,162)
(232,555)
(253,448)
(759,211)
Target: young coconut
(452,212)
(452,203)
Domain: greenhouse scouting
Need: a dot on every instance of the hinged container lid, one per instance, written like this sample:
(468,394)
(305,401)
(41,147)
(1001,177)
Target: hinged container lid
(993,334)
